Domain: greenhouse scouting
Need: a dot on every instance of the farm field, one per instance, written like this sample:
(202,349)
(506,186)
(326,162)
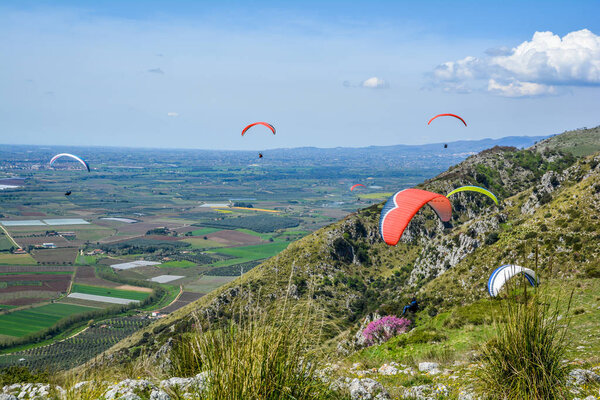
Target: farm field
(23,322)
(160,212)
(16,259)
(206,284)
(109,292)
(250,253)
(79,349)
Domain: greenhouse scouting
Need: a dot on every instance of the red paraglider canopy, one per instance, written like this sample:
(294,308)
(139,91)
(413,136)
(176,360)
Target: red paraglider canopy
(402,207)
(355,186)
(271,127)
(447,115)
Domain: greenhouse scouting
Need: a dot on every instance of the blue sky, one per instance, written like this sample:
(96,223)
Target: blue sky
(193,74)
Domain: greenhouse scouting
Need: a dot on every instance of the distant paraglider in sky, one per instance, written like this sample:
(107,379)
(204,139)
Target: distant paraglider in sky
(355,186)
(271,127)
(474,189)
(447,115)
(68,193)
(81,160)
(504,273)
(402,207)
(260,155)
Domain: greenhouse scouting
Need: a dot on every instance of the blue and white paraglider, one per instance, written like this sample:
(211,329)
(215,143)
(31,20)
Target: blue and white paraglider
(504,273)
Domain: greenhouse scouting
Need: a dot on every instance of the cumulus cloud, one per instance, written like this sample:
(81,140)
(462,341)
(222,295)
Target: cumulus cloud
(172,114)
(519,89)
(374,83)
(156,71)
(534,68)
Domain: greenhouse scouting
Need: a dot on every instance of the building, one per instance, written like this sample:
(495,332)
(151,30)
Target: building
(48,245)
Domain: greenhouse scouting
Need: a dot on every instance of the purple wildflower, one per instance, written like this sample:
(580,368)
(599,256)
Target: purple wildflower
(384,329)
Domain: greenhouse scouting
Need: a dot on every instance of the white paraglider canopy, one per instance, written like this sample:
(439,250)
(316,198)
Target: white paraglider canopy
(502,274)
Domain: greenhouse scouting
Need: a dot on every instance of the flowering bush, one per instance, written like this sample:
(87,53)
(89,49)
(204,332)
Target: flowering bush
(384,329)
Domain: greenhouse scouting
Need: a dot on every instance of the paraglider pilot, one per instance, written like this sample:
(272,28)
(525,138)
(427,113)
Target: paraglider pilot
(412,307)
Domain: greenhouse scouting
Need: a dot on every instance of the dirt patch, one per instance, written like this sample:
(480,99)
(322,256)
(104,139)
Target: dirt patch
(33,214)
(65,255)
(134,288)
(164,238)
(183,300)
(59,241)
(24,301)
(24,269)
(85,272)
(53,283)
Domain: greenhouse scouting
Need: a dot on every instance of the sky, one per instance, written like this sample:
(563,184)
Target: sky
(192,74)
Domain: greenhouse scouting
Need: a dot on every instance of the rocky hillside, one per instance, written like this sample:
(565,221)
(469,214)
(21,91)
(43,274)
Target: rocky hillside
(549,195)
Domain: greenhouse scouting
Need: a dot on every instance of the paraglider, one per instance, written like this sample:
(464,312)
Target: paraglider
(68,193)
(474,189)
(260,155)
(402,207)
(413,306)
(56,157)
(271,127)
(502,274)
(445,145)
(447,115)
(355,186)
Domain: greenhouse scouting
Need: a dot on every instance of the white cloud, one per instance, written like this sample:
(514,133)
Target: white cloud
(533,68)
(172,114)
(374,83)
(519,89)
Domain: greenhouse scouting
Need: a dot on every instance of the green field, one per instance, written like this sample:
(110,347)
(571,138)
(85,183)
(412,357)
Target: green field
(38,273)
(110,292)
(179,264)
(5,244)
(204,231)
(380,195)
(17,259)
(86,260)
(23,322)
(6,307)
(255,252)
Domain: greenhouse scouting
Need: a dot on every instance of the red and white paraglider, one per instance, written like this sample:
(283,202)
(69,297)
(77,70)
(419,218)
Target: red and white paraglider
(402,207)
(447,115)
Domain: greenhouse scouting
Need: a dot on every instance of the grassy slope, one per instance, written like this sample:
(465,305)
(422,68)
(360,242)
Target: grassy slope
(326,265)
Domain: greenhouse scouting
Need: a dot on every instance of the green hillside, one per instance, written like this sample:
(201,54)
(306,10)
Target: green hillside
(550,198)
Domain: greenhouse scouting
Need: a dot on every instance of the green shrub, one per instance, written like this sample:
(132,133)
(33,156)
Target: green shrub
(524,359)
(262,356)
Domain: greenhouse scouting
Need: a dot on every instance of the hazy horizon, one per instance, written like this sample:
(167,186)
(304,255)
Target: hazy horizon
(191,75)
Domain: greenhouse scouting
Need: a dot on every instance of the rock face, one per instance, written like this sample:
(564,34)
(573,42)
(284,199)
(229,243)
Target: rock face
(128,389)
(429,367)
(426,392)
(367,389)
(580,377)
(39,391)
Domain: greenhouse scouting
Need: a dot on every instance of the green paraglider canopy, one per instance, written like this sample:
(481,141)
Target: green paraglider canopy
(474,189)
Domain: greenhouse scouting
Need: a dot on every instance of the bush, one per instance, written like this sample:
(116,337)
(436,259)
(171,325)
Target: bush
(384,329)
(524,359)
(264,355)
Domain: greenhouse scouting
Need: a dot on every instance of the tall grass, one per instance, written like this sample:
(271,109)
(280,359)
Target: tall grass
(264,355)
(525,358)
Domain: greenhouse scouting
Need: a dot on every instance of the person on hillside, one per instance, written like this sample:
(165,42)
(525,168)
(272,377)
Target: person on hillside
(412,307)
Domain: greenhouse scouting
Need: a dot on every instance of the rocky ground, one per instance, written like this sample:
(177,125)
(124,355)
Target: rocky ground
(425,381)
